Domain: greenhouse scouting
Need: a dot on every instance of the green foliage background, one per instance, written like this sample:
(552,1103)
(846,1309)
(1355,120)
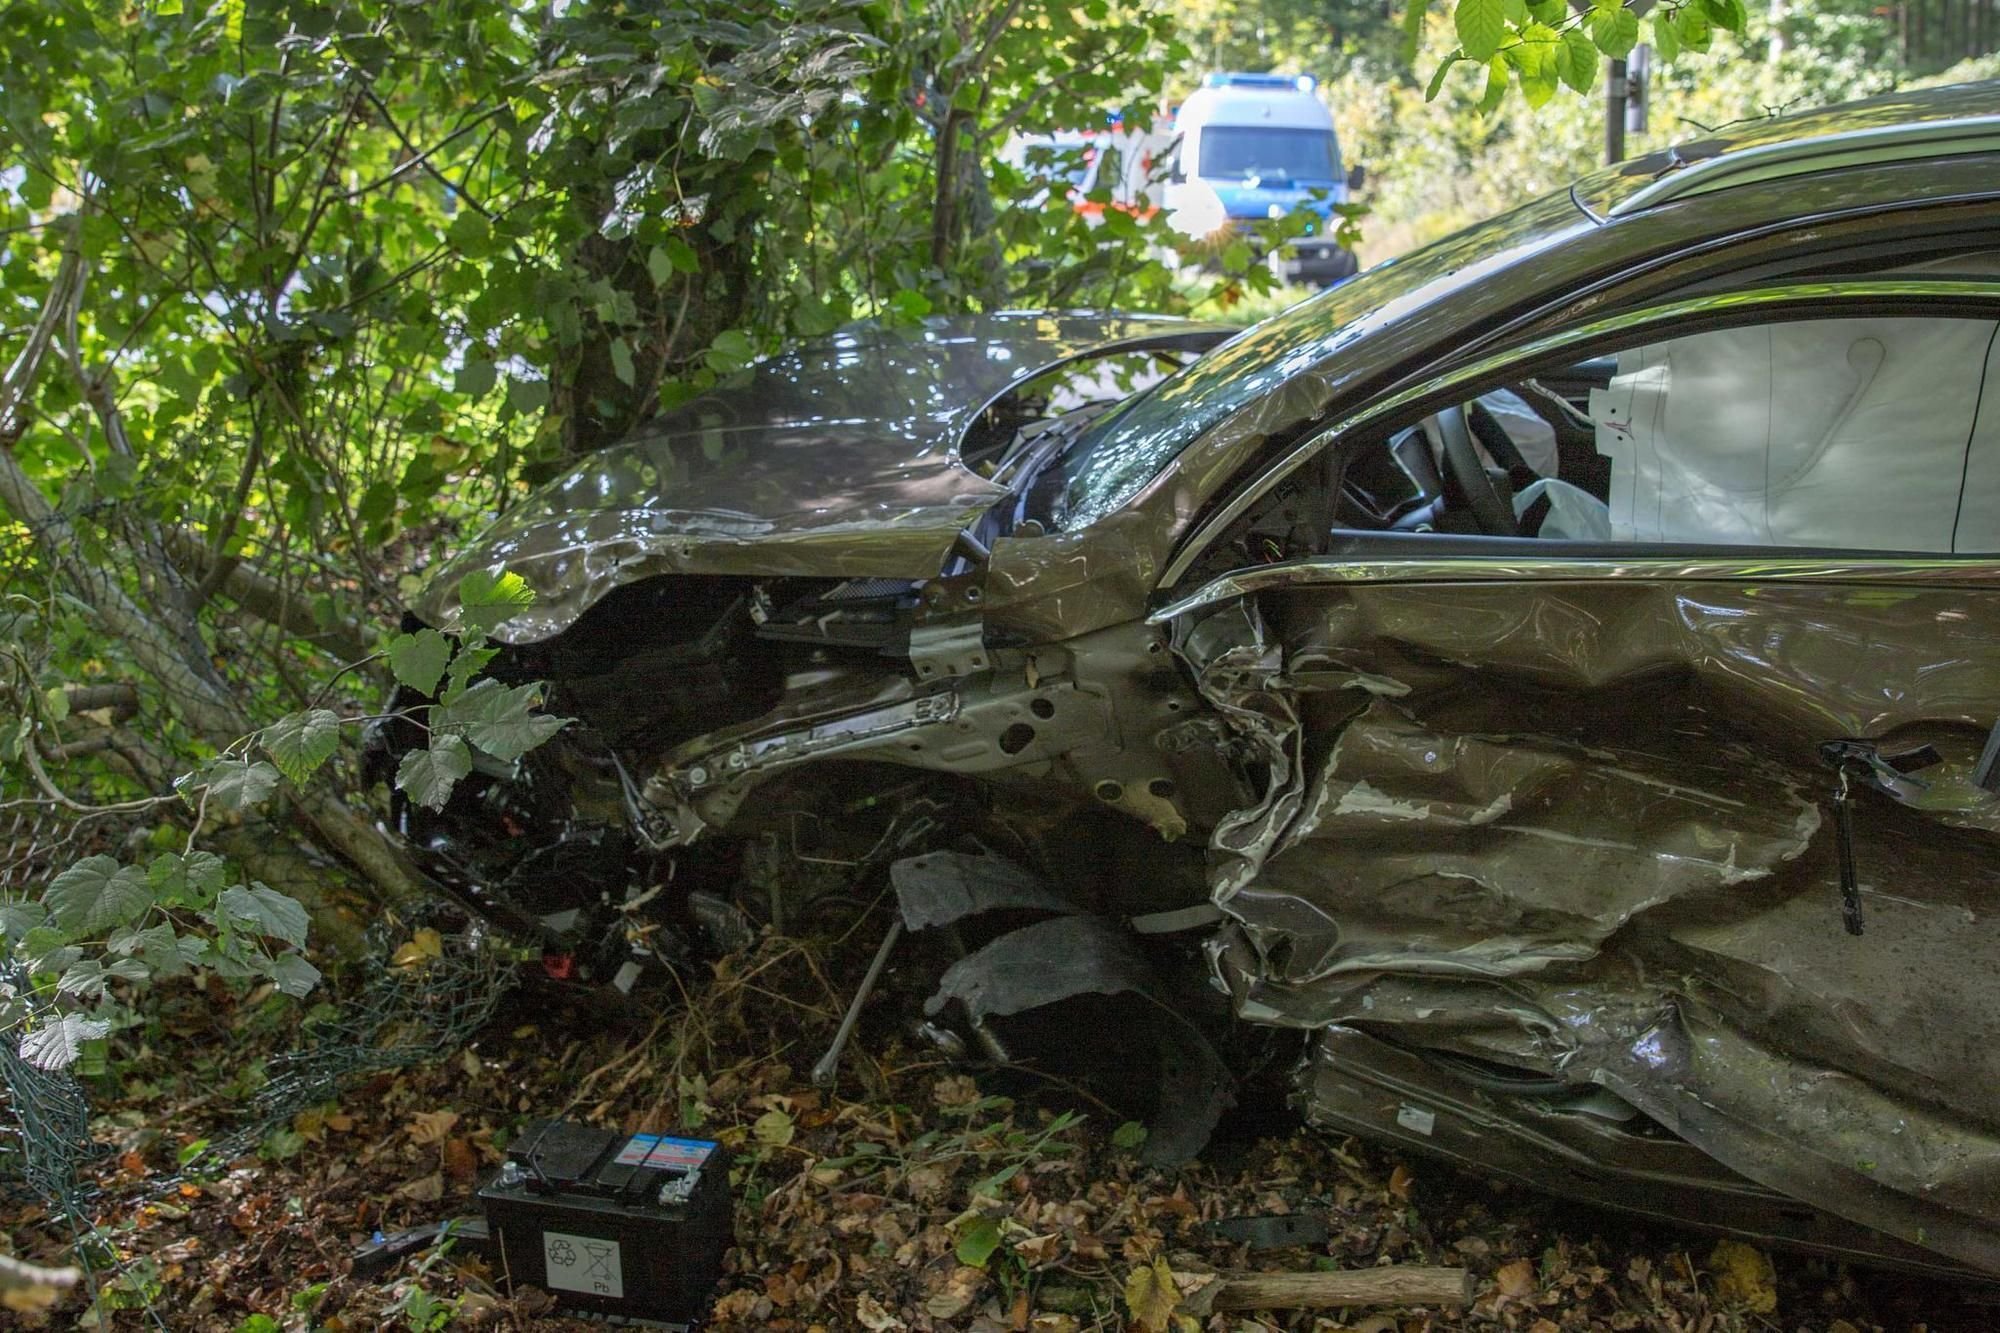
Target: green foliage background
(294,294)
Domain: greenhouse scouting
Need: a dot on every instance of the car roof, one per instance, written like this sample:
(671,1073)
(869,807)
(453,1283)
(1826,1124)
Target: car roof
(1896,127)
(1231,105)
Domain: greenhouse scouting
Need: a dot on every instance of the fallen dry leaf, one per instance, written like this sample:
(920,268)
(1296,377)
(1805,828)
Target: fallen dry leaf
(460,1158)
(1744,1277)
(960,1290)
(1517,1279)
(871,1316)
(1151,1296)
(424,1189)
(421,948)
(955,1090)
(775,1128)
(431,1126)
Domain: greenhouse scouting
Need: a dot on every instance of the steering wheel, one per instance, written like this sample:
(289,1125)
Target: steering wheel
(1491,510)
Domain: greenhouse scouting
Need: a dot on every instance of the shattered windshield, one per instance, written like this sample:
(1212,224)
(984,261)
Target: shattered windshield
(1113,460)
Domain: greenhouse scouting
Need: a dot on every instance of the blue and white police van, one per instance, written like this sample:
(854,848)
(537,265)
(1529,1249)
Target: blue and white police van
(1255,146)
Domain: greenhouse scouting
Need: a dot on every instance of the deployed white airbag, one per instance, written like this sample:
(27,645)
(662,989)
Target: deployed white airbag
(1979,508)
(1846,433)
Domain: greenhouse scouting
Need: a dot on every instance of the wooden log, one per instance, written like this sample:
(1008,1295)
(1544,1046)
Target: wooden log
(1395,1285)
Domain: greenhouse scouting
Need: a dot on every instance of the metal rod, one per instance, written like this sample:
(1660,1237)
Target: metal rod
(828,1069)
(1614,112)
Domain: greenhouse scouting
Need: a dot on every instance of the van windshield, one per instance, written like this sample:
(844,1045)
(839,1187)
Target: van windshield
(1239,152)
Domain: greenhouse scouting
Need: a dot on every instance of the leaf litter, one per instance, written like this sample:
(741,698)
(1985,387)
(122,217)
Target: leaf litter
(914,1197)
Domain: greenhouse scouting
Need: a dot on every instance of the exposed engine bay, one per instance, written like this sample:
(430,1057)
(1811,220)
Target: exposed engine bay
(749,752)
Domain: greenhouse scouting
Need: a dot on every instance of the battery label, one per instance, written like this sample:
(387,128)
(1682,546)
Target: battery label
(662,1153)
(587,1264)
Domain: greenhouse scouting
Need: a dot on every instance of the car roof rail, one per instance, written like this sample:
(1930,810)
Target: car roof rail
(1793,158)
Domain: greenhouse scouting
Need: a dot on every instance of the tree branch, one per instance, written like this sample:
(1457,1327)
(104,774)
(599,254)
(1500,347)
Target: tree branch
(265,597)
(219,564)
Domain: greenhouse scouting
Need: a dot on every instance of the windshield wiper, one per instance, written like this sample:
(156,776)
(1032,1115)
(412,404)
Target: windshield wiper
(1034,454)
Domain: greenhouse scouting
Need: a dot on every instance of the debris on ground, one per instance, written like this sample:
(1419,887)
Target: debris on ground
(914,1196)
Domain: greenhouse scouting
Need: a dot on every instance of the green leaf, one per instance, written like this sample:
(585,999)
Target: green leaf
(1516,11)
(475,376)
(57,699)
(488,599)
(499,720)
(429,775)
(1666,37)
(1616,31)
(89,978)
(1729,14)
(238,784)
(1534,59)
(232,19)
(56,1045)
(1550,12)
(192,880)
(1695,31)
(911,304)
(282,1144)
(18,918)
(977,1241)
(1576,60)
(97,893)
(1129,1135)
(731,351)
(469,663)
(681,255)
(127,940)
(621,362)
(165,953)
(470,233)
(378,502)
(418,660)
(659,265)
(1436,84)
(1496,86)
(1413,27)
(266,911)
(1481,26)
(293,975)
(527,396)
(299,743)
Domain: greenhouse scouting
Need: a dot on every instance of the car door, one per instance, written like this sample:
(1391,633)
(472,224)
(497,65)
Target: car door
(1689,809)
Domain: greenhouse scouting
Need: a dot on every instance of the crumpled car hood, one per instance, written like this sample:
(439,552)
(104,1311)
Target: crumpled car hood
(836,458)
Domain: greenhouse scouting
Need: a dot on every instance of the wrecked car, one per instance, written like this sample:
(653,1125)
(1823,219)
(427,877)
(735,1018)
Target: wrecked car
(1554,674)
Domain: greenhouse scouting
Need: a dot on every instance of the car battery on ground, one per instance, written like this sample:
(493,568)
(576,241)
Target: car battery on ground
(628,1227)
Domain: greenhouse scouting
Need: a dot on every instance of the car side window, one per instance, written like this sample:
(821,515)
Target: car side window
(1864,433)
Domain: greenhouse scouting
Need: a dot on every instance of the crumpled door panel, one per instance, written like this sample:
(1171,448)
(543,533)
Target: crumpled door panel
(1578,830)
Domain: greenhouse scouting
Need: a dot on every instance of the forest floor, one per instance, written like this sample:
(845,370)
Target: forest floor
(916,1197)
